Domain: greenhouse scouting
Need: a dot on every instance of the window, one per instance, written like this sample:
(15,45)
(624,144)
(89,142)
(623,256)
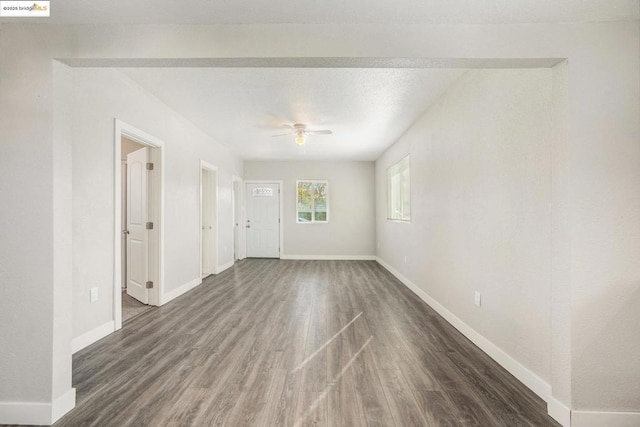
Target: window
(399,191)
(312,201)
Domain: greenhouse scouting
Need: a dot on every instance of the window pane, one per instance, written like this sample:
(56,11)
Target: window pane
(399,191)
(304,201)
(406,193)
(320,201)
(304,216)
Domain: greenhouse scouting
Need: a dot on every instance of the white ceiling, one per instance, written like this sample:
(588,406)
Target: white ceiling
(367,109)
(341,11)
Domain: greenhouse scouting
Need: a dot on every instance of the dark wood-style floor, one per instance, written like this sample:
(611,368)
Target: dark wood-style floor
(296,343)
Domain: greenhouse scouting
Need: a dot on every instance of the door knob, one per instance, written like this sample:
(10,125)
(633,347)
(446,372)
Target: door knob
(125,231)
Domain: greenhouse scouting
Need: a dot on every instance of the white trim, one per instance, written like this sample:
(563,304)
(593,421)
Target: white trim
(25,413)
(224,267)
(280,196)
(332,257)
(522,373)
(216,231)
(601,418)
(558,411)
(63,404)
(37,413)
(157,156)
(95,334)
(181,290)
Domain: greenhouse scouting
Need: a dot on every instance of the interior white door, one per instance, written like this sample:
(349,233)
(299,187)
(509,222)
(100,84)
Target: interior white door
(236,220)
(209,259)
(123,221)
(263,220)
(137,217)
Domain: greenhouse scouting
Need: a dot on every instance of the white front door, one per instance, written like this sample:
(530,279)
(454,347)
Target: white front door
(263,220)
(137,217)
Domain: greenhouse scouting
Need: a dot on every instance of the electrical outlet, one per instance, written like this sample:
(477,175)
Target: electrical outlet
(478,299)
(93,294)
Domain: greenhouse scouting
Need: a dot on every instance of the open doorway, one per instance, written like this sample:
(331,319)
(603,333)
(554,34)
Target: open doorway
(208,219)
(138,260)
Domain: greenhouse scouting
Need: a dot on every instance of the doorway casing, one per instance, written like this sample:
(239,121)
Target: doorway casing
(156,215)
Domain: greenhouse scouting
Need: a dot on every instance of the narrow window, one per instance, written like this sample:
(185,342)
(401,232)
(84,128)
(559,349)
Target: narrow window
(399,191)
(312,201)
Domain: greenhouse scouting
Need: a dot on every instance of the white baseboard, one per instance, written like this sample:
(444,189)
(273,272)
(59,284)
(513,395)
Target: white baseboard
(25,413)
(558,411)
(37,413)
(522,373)
(224,267)
(92,336)
(332,257)
(608,419)
(180,290)
(63,404)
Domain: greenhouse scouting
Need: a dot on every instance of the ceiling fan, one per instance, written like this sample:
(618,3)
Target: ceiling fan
(300,131)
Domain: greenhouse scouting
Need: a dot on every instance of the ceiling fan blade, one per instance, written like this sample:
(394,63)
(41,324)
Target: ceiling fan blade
(319,132)
(284,134)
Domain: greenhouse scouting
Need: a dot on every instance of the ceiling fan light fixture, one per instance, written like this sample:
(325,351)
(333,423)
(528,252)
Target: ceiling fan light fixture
(299,131)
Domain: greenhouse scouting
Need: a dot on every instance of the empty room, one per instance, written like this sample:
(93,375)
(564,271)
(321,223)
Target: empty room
(320,213)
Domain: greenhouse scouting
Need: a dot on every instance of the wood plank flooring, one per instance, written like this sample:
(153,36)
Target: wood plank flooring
(296,343)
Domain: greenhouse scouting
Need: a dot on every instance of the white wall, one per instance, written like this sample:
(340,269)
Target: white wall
(480,217)
(35,227)
(99,96)
(351,228)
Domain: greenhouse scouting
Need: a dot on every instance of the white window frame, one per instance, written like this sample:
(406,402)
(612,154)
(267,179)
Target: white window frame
(313,212)
(399,165)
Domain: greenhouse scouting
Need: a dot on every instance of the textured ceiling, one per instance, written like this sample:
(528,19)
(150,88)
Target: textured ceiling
(367,109)
(341,11)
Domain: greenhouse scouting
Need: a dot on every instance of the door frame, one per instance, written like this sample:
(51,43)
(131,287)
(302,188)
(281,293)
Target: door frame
(156,215)
(240,251)
(216,230)
(280,196)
